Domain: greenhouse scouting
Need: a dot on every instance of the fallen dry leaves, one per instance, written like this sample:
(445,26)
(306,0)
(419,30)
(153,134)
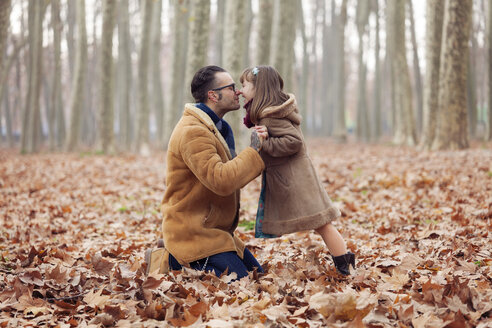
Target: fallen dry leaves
(74,229)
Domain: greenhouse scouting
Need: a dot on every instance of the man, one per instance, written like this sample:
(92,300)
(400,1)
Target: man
(201,203)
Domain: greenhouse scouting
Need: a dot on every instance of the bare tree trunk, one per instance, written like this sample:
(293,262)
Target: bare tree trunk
(283,41)
(179,45)
(389,59)
(340,132)
(377,130)
(71,23)
(31,134)
(489,44)
(57,117)
(435,17)
(143,69)
(452,124)
(362,127)
(303,81)
(248,21)
(416,68)
(78,85)
(405,122)
(124,76)
(472,88)
(5,7)
(197,41)
(106,107)
(219,32)
(233,54)
(156,85)
(265,19)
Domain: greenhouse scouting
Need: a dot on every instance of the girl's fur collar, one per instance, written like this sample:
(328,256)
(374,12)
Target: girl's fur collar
(286,110)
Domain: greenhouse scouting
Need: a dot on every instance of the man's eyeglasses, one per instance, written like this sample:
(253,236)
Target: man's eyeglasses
(232,86)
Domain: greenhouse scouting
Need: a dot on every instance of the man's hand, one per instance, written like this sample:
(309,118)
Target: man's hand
(256,141)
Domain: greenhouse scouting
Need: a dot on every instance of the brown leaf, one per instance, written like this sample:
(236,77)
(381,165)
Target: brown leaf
(101,265)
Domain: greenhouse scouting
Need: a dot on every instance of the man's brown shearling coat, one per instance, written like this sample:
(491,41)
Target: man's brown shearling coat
(201,202)
(295,199)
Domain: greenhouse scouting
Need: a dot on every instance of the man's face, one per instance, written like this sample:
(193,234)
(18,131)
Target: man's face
(228,97)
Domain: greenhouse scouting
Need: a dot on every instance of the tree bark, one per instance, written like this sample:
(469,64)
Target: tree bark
(78,85)
(124,76)
(377,129)
(156,85)
(303,79)
(405,122)
(218,33)
(471,87)
(197,41)
(340,131)
(452,124)
(106,98)
(362,127)
(175,103)
(416,68)
(265,19)
(283,41)
(434,26)
(31,141)
(233,55)
(57,135)
(143,68)
(489,39)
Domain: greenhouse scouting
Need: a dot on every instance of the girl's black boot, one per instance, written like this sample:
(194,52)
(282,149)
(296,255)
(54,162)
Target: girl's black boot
(343,262)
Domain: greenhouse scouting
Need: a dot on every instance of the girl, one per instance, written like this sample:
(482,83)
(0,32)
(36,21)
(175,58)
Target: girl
(292,197)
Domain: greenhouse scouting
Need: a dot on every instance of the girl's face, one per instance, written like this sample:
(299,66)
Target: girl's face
(248,90)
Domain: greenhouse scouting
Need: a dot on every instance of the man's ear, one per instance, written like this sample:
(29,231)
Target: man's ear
(212,96)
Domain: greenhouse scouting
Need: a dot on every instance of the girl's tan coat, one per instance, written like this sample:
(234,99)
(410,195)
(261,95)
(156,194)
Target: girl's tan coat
(295,199)
(201,202)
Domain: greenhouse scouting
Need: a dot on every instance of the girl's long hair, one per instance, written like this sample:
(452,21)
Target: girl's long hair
(268,89)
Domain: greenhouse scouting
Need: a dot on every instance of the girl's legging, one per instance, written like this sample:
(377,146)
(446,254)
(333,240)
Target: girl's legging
(219,262)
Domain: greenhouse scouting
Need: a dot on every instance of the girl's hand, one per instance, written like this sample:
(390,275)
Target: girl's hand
(261,130)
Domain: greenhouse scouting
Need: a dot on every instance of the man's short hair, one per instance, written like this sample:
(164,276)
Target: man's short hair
(203,81)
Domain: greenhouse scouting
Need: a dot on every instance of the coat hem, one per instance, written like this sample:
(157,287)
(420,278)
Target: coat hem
(281,227)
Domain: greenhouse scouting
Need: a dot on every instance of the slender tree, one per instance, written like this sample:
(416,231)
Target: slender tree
(234,53)
(106,107)
(5,7)
(174,105)
(489,43)
(32,113)
(218,34)
(471,87)
(265,19)
(304,76)
(362,126)
(340,132)
(143,69)
(197,40)
(78,85)
(376,131)
(124,75)
(284,37)
(416,68)
(405,123)
(452,124)
(156,85)
(434,21)
(57,117)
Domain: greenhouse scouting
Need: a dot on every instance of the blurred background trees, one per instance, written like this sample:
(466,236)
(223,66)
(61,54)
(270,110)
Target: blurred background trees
(114,75)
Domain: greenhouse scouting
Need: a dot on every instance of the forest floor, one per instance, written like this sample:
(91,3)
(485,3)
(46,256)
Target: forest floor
(74,229)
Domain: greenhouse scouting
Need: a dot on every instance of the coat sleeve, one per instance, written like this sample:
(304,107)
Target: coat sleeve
(284,138)
(199,150)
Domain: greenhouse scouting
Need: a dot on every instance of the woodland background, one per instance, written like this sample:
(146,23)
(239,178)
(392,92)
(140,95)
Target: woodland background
(114,75)
(395,97)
